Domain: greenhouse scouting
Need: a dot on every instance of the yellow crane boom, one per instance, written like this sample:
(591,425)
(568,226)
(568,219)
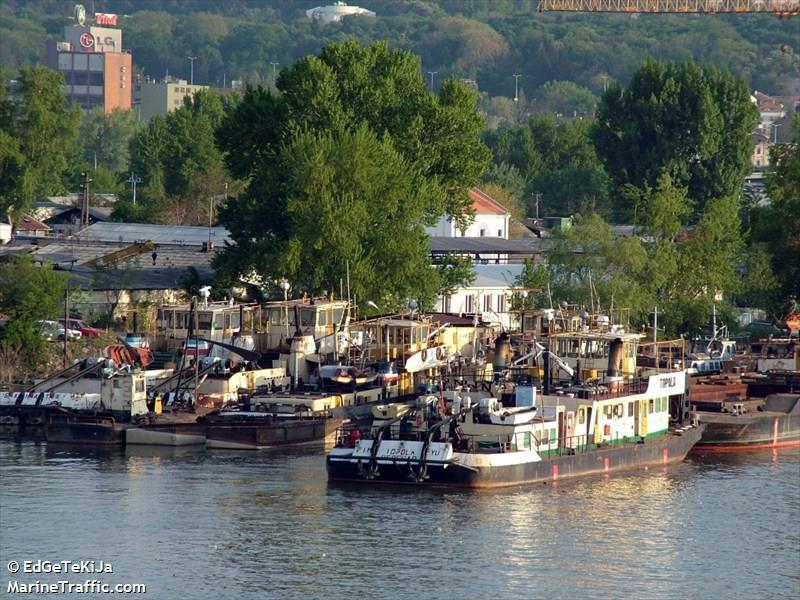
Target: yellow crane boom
(111,259)
(783,8)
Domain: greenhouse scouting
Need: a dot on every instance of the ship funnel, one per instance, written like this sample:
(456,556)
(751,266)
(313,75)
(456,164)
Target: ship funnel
(615,358)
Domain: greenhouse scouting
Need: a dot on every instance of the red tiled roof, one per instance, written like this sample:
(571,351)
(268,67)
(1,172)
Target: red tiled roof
(485,204)
(28,223)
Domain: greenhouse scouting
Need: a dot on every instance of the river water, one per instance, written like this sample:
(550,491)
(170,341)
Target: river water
(222,525)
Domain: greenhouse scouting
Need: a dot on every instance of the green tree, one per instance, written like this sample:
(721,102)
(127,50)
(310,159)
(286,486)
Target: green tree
(351,203)
(692,122)
(591,266)
(105,138)
(564,97)
(374,100)
(454,272)
(28,294)
(777,225)
(181,167)
(558,162)
(40,130)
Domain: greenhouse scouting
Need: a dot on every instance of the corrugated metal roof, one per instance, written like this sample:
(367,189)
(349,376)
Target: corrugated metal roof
(160,234)
(167,256)
(485,245)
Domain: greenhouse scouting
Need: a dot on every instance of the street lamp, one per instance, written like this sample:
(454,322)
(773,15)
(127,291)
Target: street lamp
(285,286)
(432,73)
(516,87)
(274,73)
(191,62)
(133,180)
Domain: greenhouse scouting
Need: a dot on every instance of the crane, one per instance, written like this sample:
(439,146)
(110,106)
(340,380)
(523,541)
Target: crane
(782,8)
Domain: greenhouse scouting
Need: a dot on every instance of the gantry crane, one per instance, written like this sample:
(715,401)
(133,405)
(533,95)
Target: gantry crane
(782,8)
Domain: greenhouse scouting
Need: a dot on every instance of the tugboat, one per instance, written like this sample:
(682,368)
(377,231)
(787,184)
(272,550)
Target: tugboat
(593,427)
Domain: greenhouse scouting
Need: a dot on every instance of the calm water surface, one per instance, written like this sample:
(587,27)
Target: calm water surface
(267,525)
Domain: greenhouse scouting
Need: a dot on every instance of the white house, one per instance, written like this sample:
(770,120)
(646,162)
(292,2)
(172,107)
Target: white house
(336,12)
(491,219)
(488,296)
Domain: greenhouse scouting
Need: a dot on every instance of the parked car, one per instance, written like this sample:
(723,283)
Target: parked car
(53,330)
(78,325)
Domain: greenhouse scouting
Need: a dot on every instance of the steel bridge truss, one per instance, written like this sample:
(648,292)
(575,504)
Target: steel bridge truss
(783,8)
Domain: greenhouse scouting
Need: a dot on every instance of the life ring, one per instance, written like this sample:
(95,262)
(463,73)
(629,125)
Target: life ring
(424,355)
(439,353)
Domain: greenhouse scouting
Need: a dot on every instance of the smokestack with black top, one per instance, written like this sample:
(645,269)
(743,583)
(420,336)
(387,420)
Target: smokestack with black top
(615,358)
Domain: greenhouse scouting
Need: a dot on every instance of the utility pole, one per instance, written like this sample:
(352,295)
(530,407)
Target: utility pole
(274,73)
(66,322)
(133,180)
(85,186)
(191,69)
(432,73)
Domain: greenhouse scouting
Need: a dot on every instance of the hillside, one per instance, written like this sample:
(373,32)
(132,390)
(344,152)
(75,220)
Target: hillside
(483,41)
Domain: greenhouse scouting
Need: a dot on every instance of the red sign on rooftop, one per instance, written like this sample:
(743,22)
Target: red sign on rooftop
(105,19)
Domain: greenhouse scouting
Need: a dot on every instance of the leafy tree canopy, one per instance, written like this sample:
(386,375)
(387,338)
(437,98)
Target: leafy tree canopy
(692,122)
(777,226)
(349,163)
(38,132)
(27,294)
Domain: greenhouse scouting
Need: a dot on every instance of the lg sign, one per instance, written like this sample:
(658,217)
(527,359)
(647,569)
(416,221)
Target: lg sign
(86,40)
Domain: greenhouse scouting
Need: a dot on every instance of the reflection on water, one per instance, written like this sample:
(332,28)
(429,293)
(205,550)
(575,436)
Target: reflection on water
(196,524)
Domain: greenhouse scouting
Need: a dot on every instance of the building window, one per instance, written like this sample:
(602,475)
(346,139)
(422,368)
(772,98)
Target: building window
(469,303)
(483,232)
(487,303)
(501,303)
(499,233)
(446,302)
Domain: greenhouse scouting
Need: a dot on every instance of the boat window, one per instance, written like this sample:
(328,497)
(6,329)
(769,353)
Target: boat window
(526,440)
(630,409)
(219,321)
(140,385)
(235,321)
(338,314)
(307,318)
(322,319)
(651,406)
(619,411)
(204,321)
(582,416)
(275,316)
(552,435)
(607,410)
